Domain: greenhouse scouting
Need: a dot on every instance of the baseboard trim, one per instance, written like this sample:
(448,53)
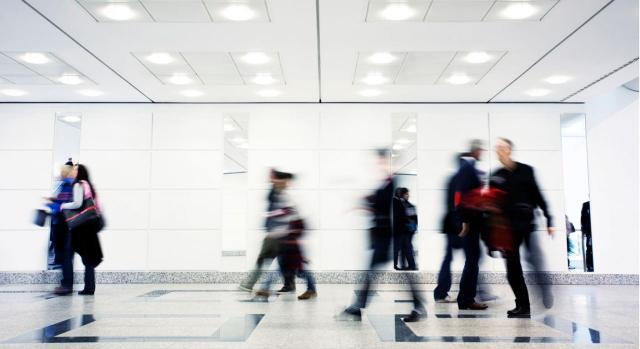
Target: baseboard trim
(322,277)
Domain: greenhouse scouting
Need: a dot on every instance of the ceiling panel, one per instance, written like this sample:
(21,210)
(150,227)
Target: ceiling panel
(185,11)
(458,11)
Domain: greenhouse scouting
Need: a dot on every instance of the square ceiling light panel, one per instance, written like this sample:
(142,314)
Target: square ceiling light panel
(458,11)
(257,62)
(470,67)
(377,68)
(533,10)
(424,68)
(214,68)
(38,68)
(397,10)
(168,67)
(177,11)
(238,10)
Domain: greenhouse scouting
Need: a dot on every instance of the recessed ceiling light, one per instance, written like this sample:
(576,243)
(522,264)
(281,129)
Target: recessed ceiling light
(538,92)
(255,58)
(374,79)
(238,12)
(269,93)
(118,12)
(35,58)
(370,93)
(382,58)
(520,10)
(180,79)
(459,79)
(71,118)
(160,58)
(478,57)
(411,129)
(70,79)
(91,93)
(557,79)
(397,12)
(13,92)
(264,79)
(192,93)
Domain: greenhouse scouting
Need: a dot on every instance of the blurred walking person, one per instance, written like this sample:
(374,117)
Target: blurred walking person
(468,183)
(523,196)
(405,224)
(380,206)
(585,227)
(60,236)
(277,227)
(84,236)
(451,227)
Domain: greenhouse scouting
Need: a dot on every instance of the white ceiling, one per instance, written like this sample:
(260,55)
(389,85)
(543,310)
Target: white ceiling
(583,39)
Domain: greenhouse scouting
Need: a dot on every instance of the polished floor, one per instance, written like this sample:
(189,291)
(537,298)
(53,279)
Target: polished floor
(219,316)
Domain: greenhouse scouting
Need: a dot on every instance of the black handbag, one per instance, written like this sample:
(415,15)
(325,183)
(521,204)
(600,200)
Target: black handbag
(40,218)
(86,216)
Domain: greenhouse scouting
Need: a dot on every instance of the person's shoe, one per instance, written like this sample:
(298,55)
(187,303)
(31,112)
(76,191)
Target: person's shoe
(413,317)
(308,295)
(473,306)
(519,312)
(62,291)
(446,299)
(349,314)
(263,293)
(242,287)
(286,290)
(86,293)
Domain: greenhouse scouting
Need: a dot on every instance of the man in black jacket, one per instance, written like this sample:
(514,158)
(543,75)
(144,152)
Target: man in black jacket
(467,181)
(585,226)
(523,196)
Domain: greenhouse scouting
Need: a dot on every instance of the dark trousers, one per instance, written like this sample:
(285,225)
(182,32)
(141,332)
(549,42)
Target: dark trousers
(397,247)
(381,256)
(588,253)
(515,275)
(269,251)
(444,277)
(469,279)
(64,250)
(89,277)
(406,241)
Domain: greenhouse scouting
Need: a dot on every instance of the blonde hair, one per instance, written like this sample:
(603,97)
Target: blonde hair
(65,170)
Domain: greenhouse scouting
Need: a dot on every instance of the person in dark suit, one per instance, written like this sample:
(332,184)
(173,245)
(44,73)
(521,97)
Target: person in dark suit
(451,227)
(405,224)
(467,181)
(585,223)
(523,196)
(379,204)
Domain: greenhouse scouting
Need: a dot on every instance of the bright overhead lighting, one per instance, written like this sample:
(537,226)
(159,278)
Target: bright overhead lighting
(370,93)
(459,79)
(538,92)
(382,58)
(192,93)
(478,57)
(70,79)
(374,79)
(91,93)
(269,93)
(180,79)
(35,58)
(521,10)
(255,58)
(71,118)
(411,129)
(238,12)
(397,12)
(118,12)
(264,79)
(160,58)
(13,92)
(557,79)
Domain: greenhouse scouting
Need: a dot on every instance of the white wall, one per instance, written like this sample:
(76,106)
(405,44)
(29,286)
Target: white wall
(158,169)
(612,141)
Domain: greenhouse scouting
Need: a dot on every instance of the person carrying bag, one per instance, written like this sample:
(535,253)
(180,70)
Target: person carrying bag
(84,218)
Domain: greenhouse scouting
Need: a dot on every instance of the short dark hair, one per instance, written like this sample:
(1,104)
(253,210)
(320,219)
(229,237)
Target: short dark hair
(401,191)
(508,141)
(382,152)
(282,175)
